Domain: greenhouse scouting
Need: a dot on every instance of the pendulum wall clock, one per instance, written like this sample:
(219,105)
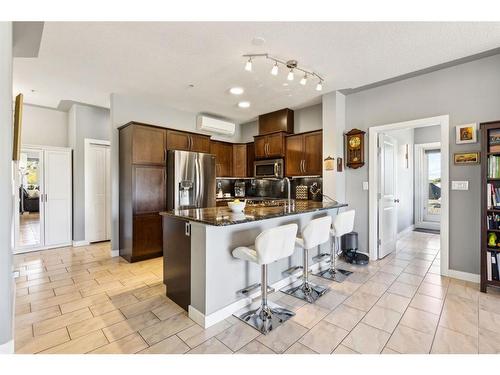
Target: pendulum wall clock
(355,148)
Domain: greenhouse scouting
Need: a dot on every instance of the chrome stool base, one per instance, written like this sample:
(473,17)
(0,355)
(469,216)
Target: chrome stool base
(264,318)
(306,291)
(337,274)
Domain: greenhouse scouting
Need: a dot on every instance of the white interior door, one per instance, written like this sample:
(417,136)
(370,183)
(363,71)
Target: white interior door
(97,192)
(57,197)
(108,193)
(387,216)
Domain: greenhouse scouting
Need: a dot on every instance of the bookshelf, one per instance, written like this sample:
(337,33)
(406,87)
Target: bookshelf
(490,204)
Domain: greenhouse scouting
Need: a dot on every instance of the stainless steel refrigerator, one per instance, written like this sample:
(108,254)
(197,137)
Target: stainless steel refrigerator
(190,180)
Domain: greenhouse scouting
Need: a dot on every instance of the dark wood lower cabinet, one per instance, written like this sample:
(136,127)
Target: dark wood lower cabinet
(177,260)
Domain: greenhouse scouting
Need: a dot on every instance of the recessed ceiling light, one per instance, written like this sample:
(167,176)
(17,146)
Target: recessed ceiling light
(285,84)
(244,104)
(236,90)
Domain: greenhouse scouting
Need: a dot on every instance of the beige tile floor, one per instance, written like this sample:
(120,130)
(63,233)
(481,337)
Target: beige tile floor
(79,300)
(29,229)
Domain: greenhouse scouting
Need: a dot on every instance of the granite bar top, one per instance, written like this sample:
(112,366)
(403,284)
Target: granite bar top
(221,216)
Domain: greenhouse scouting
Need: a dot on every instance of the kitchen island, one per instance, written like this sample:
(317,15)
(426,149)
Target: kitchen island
(200,272)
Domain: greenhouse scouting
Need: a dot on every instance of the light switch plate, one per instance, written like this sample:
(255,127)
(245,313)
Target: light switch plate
(459,185)
(365,185)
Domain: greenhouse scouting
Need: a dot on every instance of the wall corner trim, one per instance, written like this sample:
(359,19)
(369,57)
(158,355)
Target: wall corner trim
(7,348)
(115,253)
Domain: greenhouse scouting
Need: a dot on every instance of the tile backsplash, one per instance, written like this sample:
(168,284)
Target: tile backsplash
(270,188)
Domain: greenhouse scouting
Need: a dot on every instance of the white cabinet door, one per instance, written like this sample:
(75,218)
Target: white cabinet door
(388,219)
(97,192)
(58,218)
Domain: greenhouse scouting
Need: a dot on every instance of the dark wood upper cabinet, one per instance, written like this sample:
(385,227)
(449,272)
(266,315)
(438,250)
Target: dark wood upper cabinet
(270,146)
(200,143)
(148,145)
(239,160)
(294,155)
(250,158)
(277,121)
(304,154)
(313,153)
(178,140)
(223,152)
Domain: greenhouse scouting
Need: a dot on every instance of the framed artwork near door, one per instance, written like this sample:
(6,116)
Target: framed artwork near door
(466,133)
(466,158)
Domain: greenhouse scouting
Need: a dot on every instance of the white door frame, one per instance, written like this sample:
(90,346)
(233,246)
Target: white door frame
(444,122)
(87,143)
(420,195)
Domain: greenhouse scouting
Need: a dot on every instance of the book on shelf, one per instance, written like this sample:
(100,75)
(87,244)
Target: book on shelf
(494,140)
(493,266)
(493,221)
(493,196)
(493,166)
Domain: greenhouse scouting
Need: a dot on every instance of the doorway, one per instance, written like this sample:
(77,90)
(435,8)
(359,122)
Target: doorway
(384,155)
(428,186)
(43,218)
(97,190)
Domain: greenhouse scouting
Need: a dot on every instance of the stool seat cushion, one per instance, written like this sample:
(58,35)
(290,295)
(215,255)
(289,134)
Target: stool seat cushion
(343,223)
(317,232)
(246,253)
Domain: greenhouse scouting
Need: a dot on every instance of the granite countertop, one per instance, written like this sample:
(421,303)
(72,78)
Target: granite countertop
(221,216)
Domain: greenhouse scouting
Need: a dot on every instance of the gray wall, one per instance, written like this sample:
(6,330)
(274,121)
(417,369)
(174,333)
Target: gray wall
(468,93)
(83,122)
(404,178)
(428,134)
(44,126)
(305,119)
(6,198)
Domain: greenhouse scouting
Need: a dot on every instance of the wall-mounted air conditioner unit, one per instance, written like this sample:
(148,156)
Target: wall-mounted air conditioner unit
(214,125)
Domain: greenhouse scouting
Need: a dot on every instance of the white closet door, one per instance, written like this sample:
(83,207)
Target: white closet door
(108,193)
(96,177)
(58,221)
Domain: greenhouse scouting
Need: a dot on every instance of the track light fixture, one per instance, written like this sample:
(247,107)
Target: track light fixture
(274,70)
(292,65)
(248,65)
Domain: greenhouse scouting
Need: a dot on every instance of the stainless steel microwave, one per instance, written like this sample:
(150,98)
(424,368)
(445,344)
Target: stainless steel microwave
(268,168)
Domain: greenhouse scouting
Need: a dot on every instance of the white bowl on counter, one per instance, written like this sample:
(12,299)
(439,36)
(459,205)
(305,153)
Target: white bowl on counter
(237,206)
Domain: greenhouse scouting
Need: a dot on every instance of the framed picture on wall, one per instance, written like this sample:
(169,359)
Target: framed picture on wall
(466,133)
(466,158)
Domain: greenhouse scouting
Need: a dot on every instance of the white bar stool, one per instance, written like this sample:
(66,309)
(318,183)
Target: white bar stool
(271,245)
(342,224)
(314,234)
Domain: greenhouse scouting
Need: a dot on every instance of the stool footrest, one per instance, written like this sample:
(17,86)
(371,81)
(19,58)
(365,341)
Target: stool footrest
(293,269)
(253,288)
(321,256)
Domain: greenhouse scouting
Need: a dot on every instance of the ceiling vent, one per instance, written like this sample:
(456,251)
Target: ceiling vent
(213,125)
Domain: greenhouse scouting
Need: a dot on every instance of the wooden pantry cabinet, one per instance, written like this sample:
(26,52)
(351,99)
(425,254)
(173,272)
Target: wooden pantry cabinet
(304,154)
(223,152)
(142,159)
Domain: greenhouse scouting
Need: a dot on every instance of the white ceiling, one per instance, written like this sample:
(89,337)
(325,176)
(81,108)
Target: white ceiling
(86,61)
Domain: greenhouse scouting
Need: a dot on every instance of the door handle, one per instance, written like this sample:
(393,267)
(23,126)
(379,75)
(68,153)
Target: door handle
(191,143)
(396,200)
(304,160)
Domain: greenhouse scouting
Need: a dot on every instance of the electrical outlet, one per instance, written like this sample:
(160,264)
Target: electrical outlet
(459,185)
(365,185)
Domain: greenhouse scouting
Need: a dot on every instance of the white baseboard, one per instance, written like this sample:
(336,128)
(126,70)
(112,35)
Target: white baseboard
(7,348)
(466,276)
(115,253)
(209,320)
(406,231)
(80,243)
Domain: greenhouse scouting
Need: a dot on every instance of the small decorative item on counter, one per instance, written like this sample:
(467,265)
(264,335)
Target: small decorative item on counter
(236,205)
(492,240)
(301,192)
